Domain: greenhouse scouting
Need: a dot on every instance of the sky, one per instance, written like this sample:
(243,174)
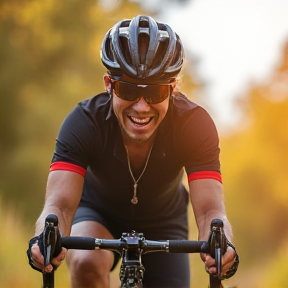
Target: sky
(237,42)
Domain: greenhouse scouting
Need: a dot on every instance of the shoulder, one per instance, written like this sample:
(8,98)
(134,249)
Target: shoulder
(185,110)
(93,109)
(182,104)
(82,133)
(191,123)
(96,103)
(88,117)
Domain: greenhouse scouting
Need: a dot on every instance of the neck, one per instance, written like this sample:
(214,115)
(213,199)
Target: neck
(132,144)
(138,154)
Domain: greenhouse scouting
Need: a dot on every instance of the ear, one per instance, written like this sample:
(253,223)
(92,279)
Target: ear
(174,85)
(107,83)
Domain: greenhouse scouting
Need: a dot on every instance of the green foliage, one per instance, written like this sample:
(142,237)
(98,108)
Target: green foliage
(51,61)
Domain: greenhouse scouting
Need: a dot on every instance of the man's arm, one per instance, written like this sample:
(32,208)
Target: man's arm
(63,192)
(64,189)
(207,202)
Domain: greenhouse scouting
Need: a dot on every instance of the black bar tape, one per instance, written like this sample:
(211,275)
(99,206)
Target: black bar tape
(185,246)
(76,242)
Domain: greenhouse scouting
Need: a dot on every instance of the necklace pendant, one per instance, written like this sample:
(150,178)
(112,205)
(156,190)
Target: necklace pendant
(134,200)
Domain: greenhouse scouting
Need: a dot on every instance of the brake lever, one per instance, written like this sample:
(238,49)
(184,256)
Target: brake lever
(217,243)
(50,237)
(49,240)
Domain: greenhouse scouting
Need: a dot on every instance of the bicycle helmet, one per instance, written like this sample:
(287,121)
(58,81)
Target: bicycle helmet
(142,48)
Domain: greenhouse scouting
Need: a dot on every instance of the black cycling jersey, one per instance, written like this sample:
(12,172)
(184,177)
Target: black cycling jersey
(90,143)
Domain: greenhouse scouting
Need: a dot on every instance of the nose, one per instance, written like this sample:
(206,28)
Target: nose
(141,105)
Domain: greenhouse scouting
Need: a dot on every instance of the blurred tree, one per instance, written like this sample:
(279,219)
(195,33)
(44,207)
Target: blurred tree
(158,6)
(255,169)
(50,61)
(275,271)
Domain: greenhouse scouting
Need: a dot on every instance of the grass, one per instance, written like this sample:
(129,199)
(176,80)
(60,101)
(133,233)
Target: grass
(14,265)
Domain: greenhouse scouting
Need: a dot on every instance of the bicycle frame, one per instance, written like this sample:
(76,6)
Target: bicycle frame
(132,245)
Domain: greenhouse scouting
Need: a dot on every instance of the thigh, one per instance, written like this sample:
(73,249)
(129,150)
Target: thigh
(167,270)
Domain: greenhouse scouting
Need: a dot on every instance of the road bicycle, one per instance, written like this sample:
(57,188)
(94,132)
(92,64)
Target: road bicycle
(131,246)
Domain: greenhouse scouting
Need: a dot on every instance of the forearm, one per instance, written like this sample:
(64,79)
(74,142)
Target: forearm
(204,222)
(207,202)
(63,194)
(64,220)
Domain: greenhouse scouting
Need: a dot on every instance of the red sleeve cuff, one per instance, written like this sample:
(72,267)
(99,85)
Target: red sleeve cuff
(68,167)
(205,175)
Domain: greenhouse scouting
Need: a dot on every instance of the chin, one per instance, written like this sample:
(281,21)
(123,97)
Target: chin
(138,137)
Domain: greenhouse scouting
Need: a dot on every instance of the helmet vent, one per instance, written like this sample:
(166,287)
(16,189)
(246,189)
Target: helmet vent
(142,48)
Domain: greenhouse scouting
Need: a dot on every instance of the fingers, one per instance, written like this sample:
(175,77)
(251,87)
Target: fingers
(58,260)
(227,261)
(210,264)
(38,259)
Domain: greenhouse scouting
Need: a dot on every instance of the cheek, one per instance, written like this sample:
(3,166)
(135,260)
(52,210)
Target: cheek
(162,108)
(118,106)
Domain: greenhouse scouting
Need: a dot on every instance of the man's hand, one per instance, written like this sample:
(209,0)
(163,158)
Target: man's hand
(230,262)
(227,261)
(36,258)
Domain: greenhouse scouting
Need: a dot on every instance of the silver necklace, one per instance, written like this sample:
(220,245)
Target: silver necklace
(134,200)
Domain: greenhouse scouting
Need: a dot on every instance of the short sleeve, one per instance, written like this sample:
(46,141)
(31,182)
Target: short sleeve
(77,139)
(200,142)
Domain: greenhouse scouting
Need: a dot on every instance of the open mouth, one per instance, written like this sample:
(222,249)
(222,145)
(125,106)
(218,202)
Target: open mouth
(140,121)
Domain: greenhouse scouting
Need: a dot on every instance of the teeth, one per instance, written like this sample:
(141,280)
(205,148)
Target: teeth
(140,121)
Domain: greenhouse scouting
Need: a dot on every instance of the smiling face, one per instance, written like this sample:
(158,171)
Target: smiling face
(138,119)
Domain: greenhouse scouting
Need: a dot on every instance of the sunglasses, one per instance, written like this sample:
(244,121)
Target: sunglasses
(152,93)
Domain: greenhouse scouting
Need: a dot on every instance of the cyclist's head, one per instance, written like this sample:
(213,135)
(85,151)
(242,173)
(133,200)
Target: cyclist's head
(141,48)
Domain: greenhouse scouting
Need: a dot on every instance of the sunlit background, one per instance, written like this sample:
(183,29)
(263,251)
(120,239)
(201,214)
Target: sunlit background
(236,67)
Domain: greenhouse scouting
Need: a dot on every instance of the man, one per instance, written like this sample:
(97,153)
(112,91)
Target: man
(119,159)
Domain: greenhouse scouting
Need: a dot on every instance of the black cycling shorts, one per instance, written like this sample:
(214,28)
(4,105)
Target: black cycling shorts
(169,270)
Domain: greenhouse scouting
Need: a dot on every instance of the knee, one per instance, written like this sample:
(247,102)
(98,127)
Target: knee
(90,265)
